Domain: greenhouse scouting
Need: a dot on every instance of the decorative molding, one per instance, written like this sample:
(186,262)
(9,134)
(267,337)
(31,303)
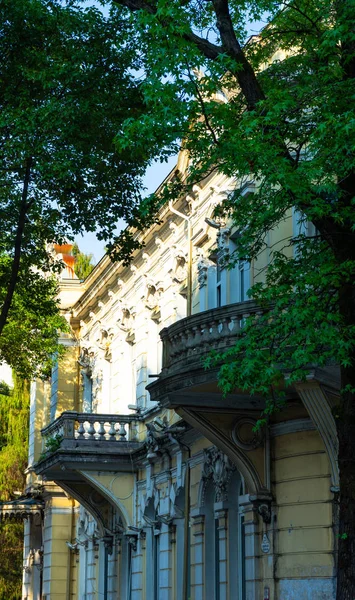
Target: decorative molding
(256,438)
(293,426)
(218,467)
(320,412)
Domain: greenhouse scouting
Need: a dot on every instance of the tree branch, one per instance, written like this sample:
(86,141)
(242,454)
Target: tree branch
(244,74)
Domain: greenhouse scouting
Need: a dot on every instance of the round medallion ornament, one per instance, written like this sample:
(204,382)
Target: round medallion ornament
(244,435)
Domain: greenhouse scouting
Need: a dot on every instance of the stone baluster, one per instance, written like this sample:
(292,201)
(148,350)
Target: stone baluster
(91,430)
(112,432)
(80,431)
(198,334)
(224,332)
(122,432)
(214,332)
(102,431)
(189,339)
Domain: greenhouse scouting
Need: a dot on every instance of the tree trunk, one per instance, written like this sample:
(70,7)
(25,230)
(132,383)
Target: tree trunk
(346,434)
(24,206)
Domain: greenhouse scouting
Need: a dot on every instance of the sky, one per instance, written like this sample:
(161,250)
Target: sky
(153,178)
(155,174)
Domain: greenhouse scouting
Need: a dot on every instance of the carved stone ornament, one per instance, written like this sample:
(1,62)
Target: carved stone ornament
(125,319)
(223,246)
(97,381)
(152,444)
(178,272)
(202,270)
(104,341)
(152,295)
(86,359)
(244,435)
(262,504)
(218,467)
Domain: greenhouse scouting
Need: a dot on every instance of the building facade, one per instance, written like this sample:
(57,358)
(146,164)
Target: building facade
(144,482)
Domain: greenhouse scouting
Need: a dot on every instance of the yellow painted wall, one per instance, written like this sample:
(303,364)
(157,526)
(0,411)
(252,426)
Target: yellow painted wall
(68,379)
(301,485)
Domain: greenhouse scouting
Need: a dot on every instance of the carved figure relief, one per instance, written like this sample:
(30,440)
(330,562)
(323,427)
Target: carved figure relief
(178,272)
(202,270)
(125,322)
(104,341)
(218,467)
(152,297)
(223,246)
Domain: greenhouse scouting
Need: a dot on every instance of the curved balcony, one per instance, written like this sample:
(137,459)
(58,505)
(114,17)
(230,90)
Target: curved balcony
(188,341)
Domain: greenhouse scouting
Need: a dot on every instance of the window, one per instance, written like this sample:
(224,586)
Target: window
(244,280)
(219,286)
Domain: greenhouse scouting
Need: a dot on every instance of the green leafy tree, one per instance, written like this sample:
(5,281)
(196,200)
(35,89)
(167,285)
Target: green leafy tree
(289,125)
(29,338)
(65,89)
(14,415)
(83,262)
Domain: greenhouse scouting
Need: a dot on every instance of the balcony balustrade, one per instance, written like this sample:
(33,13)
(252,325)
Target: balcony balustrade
(82,429)
(186,342)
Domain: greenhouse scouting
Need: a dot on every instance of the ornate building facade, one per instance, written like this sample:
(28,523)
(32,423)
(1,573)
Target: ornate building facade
(144,483)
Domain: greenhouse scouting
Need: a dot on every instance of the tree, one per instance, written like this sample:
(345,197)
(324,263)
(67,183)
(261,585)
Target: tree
(83,262)
(289,125)
(65,89)
(14,412)
(29,339)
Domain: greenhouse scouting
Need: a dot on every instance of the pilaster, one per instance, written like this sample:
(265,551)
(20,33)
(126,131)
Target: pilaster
(197,556)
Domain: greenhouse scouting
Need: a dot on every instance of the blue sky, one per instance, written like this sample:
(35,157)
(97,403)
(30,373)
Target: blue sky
(153,178)
(155,174)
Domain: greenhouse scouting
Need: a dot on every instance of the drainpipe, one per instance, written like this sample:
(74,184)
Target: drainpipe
(69,582)
(186,528)
(105,571)
(189,259)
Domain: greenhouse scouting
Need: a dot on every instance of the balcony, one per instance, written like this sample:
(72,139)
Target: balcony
(183,379)
(186,342)
(96,440)
(82,452)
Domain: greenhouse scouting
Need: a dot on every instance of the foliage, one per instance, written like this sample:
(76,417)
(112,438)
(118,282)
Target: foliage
(279,111)
(14,415)
(286,124)
(29,340)
(83,262)
(53,443)
(65,89)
